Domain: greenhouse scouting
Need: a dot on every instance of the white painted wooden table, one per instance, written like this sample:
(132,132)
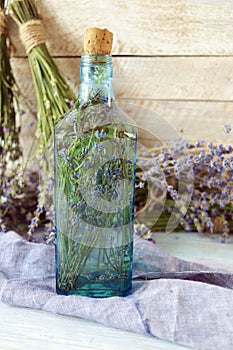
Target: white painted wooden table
(22,328)
(204,249)
(32,329)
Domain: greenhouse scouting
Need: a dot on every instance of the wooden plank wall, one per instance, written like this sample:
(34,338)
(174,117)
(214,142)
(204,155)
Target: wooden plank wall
(174,58)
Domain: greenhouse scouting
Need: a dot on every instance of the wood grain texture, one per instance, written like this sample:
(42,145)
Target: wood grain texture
(175,78)
(199,248)
(190,120)
(23,329)
(151,83)
(194,94)
(164,121)
(167,27)
(155,90)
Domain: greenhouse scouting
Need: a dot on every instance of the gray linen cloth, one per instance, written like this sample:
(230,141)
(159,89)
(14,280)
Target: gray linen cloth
(172,299)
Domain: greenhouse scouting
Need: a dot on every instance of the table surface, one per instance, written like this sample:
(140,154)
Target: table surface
(22,328)
(34,329)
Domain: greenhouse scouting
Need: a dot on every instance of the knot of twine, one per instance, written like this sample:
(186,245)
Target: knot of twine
(3,20)
(32,34)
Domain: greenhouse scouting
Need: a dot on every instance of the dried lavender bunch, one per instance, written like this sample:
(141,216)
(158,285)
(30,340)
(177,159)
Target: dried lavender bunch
(211,206)
(210,187)
(54,97)
(21,206)
(10,152)
(53,94)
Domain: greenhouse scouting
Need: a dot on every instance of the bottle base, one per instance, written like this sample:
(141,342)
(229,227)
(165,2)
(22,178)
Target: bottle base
(95,291)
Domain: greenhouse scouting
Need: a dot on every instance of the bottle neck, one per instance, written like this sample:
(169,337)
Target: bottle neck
(96,78)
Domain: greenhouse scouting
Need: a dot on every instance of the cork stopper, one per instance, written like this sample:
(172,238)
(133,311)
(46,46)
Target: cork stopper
(98,41)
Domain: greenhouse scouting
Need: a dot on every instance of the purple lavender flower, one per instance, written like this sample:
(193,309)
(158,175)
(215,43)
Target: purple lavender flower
(227,129)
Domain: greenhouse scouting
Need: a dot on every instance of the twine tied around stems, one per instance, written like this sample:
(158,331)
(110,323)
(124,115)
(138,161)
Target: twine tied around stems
(32,34)
(3,20)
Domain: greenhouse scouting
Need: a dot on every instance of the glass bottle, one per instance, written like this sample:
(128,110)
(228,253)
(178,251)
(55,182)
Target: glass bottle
(95,156)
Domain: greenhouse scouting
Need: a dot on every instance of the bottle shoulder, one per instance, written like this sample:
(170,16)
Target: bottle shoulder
(79,119)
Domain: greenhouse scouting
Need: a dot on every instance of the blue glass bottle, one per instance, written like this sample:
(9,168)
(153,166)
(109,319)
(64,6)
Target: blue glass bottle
(95,156)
